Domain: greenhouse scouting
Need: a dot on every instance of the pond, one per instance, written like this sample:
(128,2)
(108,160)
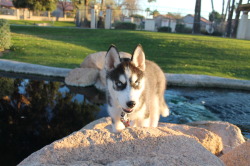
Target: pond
(35,111)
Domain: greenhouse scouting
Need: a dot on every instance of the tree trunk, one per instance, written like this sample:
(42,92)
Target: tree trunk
(228,6)
(229,20)
(85,22)
(237,16)
(197,17)
(223,4)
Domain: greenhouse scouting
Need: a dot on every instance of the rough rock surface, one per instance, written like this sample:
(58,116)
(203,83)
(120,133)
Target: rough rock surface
(230,134)
(96,145)
(93,64)
(97,60)
(239,156)
(82,77)
(208,139)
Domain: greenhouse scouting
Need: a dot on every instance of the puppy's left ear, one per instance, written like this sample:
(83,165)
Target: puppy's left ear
(112,58)
(138,58)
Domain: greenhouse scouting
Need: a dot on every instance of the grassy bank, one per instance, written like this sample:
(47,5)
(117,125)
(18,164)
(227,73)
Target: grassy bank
(52,23)
(175,53)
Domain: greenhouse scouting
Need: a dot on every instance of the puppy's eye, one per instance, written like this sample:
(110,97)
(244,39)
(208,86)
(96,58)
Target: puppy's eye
(137,83)
(118,83)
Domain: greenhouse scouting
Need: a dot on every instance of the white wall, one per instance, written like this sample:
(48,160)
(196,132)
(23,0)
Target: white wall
(248,30)
(150,25)
(243,31)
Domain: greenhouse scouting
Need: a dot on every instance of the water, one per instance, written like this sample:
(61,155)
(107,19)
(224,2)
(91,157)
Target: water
(34,112)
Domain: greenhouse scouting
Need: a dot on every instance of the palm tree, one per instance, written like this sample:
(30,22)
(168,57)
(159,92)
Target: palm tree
(197,17)
(229,20)
(237,16)
(223,4)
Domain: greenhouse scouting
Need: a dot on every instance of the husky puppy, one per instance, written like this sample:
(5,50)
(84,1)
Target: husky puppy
(135,90)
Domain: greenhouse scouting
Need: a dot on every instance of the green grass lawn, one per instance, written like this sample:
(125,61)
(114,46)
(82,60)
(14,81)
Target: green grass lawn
(175,53)
(52,23)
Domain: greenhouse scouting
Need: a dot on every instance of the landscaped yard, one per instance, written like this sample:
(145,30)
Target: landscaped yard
(175,53)
(52,23)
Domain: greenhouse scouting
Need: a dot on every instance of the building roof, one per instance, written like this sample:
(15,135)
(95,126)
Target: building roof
(202,18)
(68,5)
(6,3)
(245,7)
(166,16)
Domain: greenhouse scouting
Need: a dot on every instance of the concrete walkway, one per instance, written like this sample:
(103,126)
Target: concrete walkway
(186,80)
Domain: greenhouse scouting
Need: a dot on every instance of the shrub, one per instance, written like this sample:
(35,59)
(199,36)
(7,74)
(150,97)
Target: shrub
(5,38)
(181,28)
(164,29)
(125,25)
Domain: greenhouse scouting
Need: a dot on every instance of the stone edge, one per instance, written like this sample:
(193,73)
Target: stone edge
(183,80)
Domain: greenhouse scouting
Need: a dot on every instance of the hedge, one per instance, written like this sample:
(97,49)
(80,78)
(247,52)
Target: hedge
(164,29)
(125,25)
(5,37)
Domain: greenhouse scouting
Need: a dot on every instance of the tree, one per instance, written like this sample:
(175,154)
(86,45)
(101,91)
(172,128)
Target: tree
(81,5)
(20,3)
(197,17)
(64,4)
(147,11)
(215,17)
(155,13)
(229,20)
(222,12)
(237,16)
(33,5)
(130,5)
(177,16)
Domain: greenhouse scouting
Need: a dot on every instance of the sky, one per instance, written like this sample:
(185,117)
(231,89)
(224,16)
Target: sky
(183,7)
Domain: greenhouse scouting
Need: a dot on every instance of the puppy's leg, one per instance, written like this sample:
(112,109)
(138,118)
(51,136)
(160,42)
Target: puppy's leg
(164,109)
(117,125)
(154,112)
(115,115)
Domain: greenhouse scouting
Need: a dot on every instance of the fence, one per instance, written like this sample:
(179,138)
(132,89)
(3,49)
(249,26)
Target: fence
(94,17)
(24,14)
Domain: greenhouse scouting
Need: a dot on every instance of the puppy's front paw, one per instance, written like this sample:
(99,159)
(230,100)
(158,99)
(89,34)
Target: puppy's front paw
(118,127)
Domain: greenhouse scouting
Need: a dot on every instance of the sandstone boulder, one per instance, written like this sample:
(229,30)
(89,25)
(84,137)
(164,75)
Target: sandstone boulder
(82,77)
(91,71)
(96,145)
(212,142)
(230,134)
(208,139)
(239,156)
(97,60)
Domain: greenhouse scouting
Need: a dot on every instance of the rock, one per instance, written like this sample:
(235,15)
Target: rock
(82,77)
(211,141)
(97,60)
(239,156)
(231,135)
(91,71)
(133,146)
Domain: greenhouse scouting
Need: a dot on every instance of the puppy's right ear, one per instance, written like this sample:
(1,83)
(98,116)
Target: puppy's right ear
(112,58)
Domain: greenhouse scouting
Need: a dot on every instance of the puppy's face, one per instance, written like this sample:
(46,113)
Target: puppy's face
(125,80)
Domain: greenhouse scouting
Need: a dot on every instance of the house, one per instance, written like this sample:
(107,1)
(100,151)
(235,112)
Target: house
(8,11)
(188,21)
(243,31)
(6,7)
(165,21)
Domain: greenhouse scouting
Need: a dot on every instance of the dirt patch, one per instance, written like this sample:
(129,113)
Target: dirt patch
(5,51)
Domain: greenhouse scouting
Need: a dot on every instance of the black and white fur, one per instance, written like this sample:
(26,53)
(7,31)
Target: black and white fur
(135,86)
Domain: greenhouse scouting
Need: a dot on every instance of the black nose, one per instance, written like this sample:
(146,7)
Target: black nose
(131,104)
